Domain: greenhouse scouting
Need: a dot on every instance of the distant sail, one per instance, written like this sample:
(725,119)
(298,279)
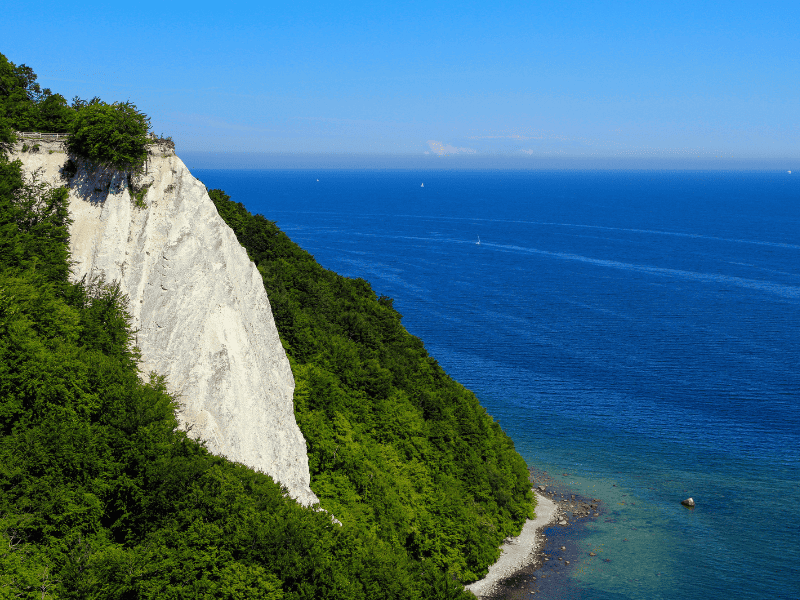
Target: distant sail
(478,243)
(422,185)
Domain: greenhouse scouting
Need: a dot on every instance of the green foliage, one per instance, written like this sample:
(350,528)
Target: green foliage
(29,213)
(107,134)
(55,115)
(7,135)
(111,134)
(23,568)
(25,106)
(102,496)
(138,196)
(396,447)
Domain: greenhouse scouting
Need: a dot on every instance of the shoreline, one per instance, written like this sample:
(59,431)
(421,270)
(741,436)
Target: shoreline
(518,552)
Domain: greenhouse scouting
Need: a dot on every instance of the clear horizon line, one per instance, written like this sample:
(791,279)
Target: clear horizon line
(315,160)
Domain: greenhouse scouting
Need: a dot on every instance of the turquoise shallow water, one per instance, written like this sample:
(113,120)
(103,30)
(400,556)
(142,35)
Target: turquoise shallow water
(638,332)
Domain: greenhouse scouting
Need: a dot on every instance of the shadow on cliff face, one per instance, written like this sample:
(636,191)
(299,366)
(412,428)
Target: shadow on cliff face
(89,182)
(94,183)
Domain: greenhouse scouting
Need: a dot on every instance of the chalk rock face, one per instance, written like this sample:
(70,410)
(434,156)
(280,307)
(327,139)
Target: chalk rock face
(199,304)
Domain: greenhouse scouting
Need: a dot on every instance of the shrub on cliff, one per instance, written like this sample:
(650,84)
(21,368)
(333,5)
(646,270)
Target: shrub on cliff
(111,134)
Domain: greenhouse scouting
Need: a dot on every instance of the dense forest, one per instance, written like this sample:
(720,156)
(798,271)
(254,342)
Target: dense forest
(103,496)
(396,446)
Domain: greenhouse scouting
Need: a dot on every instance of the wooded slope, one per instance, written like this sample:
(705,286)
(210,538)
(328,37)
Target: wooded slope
(396,446)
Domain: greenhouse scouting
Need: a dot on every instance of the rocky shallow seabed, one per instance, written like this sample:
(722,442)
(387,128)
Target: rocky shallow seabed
(557,548)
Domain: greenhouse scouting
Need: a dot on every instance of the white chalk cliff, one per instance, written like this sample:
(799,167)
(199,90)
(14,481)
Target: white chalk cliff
(199,304)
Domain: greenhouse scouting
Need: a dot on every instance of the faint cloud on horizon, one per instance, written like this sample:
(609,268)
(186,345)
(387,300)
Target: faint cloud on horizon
(514,136)
(445,149)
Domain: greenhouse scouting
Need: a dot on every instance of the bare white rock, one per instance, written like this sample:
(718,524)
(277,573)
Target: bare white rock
(199,304)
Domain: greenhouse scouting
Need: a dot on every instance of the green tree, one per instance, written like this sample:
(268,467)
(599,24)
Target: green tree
(102,497)
(31,212)
(395,446)
(26,106)
(18,95)
(111,134)
(23,570)
(55,115)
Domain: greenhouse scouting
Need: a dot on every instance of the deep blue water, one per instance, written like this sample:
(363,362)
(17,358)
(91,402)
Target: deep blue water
(639,331)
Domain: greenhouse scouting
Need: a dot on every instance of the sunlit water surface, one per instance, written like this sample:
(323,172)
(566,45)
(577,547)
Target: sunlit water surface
(639,331)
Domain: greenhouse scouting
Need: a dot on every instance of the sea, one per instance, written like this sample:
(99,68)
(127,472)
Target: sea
(636,333)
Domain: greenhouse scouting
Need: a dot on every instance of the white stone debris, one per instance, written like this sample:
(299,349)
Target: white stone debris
(518,552)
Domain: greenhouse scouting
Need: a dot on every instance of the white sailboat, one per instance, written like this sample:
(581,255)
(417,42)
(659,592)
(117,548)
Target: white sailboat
(422,185)
(478,243)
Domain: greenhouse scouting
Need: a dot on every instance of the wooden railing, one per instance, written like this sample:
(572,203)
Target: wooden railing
(45,137)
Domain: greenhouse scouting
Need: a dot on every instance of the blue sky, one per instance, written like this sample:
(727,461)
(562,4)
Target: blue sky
(522,79)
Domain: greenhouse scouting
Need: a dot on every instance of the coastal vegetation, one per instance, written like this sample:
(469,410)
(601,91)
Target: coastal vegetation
(396,447)
(25,106)
(102,495)
(114,135)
